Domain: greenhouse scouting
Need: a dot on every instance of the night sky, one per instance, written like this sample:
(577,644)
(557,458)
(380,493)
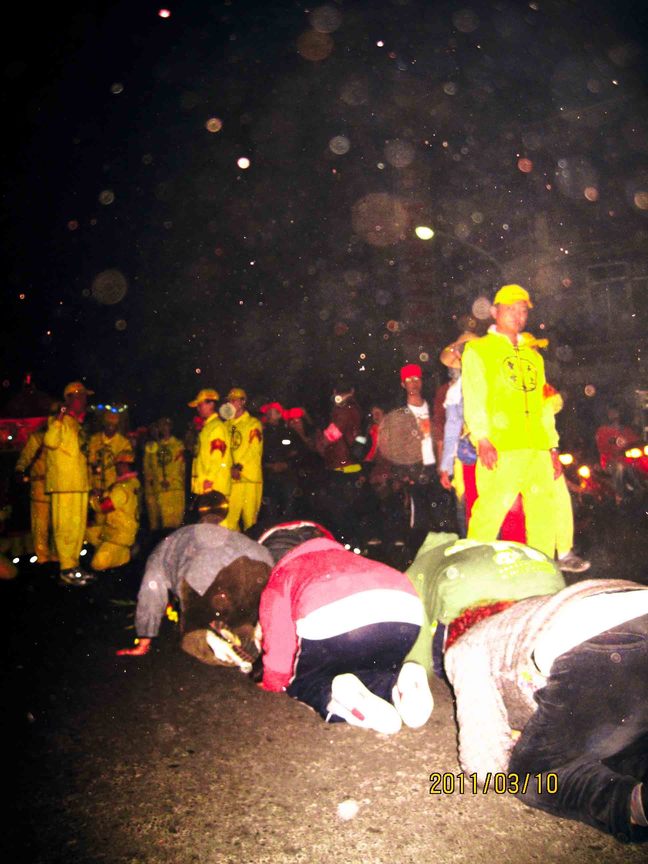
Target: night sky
(142,256)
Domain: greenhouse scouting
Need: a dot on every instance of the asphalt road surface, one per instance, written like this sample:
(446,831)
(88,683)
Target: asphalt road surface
(160,759)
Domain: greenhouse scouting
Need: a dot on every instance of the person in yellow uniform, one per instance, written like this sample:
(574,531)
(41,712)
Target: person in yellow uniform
(149,471)
(247,453)
(503,383)
(31,466)
(168,466)
(103,448)
(114,539)
(67,481)
(210,469)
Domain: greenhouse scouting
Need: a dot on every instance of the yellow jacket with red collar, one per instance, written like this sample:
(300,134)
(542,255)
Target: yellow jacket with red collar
(210,470)
(247,446)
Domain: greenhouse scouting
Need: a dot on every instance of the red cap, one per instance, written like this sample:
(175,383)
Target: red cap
(276,405)
(411,370)
(293,413)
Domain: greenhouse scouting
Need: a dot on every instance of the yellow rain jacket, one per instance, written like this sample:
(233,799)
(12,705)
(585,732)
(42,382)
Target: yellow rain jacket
(66,462)
(247,452)
(210,470)
(164,479)
(102,451)
(503,392)
(32,461)
(114,538)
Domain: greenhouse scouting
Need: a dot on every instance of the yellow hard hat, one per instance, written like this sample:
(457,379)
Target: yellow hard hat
(208,394)
(76,387)
(237,393)
(509,294)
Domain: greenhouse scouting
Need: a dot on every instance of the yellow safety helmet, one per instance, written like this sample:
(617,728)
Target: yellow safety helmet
(237,393)
(76,387)
(509,294)
(206,395)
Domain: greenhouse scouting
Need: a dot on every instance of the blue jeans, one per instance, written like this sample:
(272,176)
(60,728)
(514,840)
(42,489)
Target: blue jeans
(374,654)
(591,730)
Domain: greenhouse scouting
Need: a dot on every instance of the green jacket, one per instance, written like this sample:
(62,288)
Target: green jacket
(451,575)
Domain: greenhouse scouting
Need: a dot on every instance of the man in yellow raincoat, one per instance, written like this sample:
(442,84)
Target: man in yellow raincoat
(67,480)
(503,383)
(247,452)
(149,471)
(103,448)
(210,470)
(31,465)
(114,539)
(164,477)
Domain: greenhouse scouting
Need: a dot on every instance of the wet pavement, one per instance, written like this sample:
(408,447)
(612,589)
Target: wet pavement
(161,759)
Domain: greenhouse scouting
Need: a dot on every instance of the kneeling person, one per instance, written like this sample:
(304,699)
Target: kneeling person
(336,628)
(115,536)
(218,576)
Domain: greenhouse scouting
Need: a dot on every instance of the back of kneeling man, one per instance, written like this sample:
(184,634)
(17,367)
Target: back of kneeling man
(336,628)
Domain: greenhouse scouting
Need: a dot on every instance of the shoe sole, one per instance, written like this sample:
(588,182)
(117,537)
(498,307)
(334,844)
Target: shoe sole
(352,701)
(412,697)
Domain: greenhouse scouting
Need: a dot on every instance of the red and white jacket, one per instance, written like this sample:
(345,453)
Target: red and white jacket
(320,590)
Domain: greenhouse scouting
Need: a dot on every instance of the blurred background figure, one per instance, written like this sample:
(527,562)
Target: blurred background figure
(31,467)
(164,477)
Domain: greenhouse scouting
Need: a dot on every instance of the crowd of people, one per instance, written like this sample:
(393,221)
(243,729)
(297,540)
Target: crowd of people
(548,679)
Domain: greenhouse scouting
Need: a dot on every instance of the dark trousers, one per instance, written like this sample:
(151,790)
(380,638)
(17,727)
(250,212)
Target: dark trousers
(591,730)
(374,654)
(433,507)
(343,504)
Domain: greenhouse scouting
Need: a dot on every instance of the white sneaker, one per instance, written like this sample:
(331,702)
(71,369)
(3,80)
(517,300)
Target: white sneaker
(412,697)
(353,702)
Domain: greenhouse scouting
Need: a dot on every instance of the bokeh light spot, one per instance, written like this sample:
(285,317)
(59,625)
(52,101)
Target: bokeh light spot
(325,19)
(214,124)
(590,390)
(525,165)
(243,162)
(107,196)
(164,13)
(481,308)
(116,88)
(109,287)
(423,232)
(591,193)
(399,153)
(465,20)
(641,200)
(339,145)
(120,324)
(314,46)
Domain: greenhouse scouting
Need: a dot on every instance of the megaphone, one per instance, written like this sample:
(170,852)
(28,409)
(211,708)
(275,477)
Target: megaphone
(227,411)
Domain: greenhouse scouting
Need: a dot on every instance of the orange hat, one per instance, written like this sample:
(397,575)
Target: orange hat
(451,354)
(410,370)
(509,294)
(125,456)
(206,395)
(75,388)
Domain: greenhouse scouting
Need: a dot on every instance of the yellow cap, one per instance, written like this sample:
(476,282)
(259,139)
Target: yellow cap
(237,393)
(209,394)
(125,456)
(75,387)
(509,294)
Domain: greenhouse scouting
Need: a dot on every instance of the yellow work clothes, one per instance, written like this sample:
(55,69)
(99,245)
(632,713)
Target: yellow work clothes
(66,466)
(113,540)
(67,483)
(247,452)
(503,395)
(525,472)
(564,517)
(32,463)
(102,451)
(150,494)
(210,470)
(164,482)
